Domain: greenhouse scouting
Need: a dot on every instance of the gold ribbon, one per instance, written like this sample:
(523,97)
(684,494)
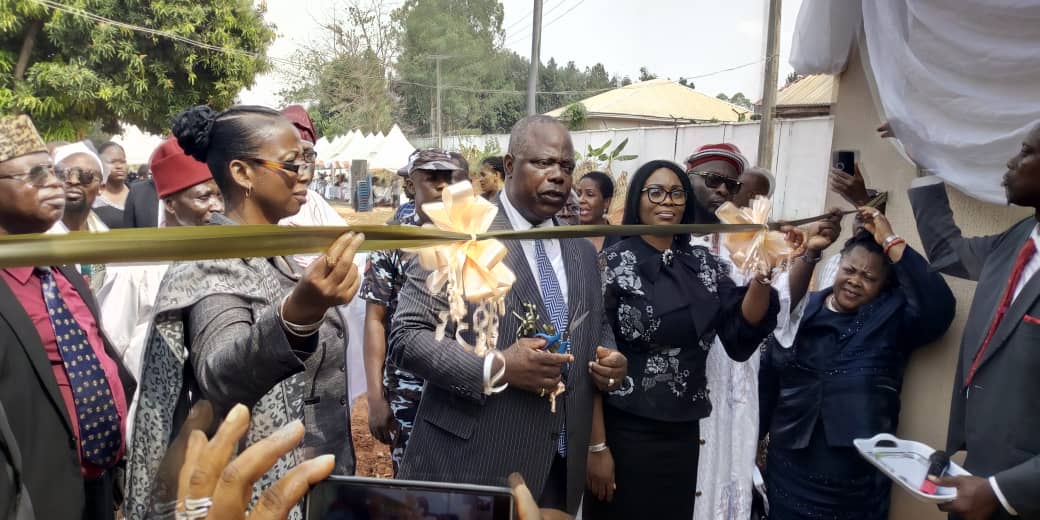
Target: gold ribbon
(477,264)
(471,270)
(755,251)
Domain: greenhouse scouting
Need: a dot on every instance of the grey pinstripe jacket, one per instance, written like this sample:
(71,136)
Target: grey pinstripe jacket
(463,436)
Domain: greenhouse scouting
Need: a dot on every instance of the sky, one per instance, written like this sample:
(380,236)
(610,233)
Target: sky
(672,38)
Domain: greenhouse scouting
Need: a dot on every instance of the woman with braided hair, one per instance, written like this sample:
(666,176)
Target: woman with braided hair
(255,331)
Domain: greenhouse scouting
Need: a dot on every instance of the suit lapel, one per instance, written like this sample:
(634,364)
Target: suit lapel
(574,274)
(29,340)
(1014,316)
(525,290)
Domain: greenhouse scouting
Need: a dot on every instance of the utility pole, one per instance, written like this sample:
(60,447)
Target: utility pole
(536,49)
(438,128)
(765,128)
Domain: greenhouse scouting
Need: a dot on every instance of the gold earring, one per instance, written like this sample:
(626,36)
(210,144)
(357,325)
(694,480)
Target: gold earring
(249,191)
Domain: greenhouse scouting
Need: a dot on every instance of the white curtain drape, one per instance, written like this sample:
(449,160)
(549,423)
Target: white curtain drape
(958,81)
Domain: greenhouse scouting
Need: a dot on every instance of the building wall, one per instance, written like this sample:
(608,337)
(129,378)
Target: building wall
(929,377)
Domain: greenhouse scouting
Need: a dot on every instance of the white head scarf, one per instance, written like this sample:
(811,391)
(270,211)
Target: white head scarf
(63,152)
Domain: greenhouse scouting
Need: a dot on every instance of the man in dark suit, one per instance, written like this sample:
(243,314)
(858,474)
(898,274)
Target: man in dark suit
(62,386)
(142,205)
(995,414)
(466,432)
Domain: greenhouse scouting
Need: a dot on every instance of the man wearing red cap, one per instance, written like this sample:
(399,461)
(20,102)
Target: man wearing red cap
(714,171)
(188,197)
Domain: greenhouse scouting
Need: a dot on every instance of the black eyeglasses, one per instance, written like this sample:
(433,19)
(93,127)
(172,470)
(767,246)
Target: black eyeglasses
(36,176)
(310,156)
(82,176)
(715,179)
(657,194)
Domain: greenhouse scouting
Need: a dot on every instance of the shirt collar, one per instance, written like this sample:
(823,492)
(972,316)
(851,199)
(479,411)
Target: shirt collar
(21,274)
(516,219)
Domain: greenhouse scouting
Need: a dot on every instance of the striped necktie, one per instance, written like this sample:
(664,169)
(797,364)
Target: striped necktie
(552,296)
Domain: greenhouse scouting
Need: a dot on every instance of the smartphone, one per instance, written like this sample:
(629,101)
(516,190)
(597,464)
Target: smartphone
(355,498)
(844,160)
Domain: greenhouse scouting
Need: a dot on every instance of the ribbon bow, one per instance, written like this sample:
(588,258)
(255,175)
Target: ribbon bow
(754,250)
(472,270)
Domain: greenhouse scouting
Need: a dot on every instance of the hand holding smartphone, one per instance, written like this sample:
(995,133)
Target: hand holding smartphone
(358,498)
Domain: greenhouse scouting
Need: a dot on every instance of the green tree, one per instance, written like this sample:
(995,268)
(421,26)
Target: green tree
(349,86)
(464,33)
(740,99)
(646,75)
(723,97)
(68,71)
(687,83)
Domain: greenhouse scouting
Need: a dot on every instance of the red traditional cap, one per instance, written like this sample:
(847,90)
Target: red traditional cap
(174,170)
(302,121)
(716,152)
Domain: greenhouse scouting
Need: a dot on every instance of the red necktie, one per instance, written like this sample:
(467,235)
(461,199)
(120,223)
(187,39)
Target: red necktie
(1016,275)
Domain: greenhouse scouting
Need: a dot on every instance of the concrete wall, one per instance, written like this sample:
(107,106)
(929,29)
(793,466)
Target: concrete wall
(929,377)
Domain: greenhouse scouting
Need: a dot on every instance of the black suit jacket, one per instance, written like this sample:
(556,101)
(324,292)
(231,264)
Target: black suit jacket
(997,420)
(36,412)
(142,205)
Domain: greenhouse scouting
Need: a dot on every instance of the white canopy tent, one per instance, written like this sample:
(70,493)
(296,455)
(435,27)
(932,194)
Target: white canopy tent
(392,153)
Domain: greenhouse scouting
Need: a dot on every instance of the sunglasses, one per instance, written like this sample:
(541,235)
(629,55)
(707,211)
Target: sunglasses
(36,176)
(715,179)
(82,176)
(305,168)
(657,194)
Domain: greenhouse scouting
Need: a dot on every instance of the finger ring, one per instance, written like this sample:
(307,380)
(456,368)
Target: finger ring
(195,508)
(541,393)
(610,382)
(329,262)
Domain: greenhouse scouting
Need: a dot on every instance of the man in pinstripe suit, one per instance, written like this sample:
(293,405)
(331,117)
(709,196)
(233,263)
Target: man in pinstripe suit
(464,435)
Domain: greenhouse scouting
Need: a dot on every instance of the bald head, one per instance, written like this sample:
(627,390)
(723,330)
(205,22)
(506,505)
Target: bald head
(754,182)
(520,136)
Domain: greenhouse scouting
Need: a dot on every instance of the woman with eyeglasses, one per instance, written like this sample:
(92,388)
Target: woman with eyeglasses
(255,331)
(666,301)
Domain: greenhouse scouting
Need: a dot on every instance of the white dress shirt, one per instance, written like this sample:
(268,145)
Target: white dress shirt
(552,246)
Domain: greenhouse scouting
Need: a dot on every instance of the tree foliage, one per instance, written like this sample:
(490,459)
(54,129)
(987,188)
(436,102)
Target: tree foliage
(348,84)
(738,99)
(78,71)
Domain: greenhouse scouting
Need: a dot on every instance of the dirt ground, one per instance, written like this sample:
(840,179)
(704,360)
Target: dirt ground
(375,217)
(373,457)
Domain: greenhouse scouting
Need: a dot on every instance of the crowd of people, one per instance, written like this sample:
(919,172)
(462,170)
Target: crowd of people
(127,389)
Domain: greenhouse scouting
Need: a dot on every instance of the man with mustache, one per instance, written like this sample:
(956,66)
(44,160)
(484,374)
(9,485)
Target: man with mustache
(994,411)
(81,171)
(62,386)
(469,428)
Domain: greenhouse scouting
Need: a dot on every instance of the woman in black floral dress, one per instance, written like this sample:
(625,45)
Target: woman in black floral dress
(666,301)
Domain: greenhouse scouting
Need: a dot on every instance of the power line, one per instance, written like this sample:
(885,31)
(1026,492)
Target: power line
(522,35)
(575,6)
(296,65)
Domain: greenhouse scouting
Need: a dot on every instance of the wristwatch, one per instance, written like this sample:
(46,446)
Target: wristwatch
(891,238)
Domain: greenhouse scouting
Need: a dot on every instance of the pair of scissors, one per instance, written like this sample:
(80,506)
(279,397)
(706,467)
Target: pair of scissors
(560,338)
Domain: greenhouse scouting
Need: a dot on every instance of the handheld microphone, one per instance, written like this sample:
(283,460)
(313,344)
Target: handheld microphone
(938,464)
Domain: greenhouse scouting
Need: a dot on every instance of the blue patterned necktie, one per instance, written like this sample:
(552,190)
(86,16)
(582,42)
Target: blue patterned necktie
(95,407)
(552,295)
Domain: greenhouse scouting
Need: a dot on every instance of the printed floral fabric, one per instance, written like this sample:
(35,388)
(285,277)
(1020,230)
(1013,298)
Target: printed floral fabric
(666,309)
